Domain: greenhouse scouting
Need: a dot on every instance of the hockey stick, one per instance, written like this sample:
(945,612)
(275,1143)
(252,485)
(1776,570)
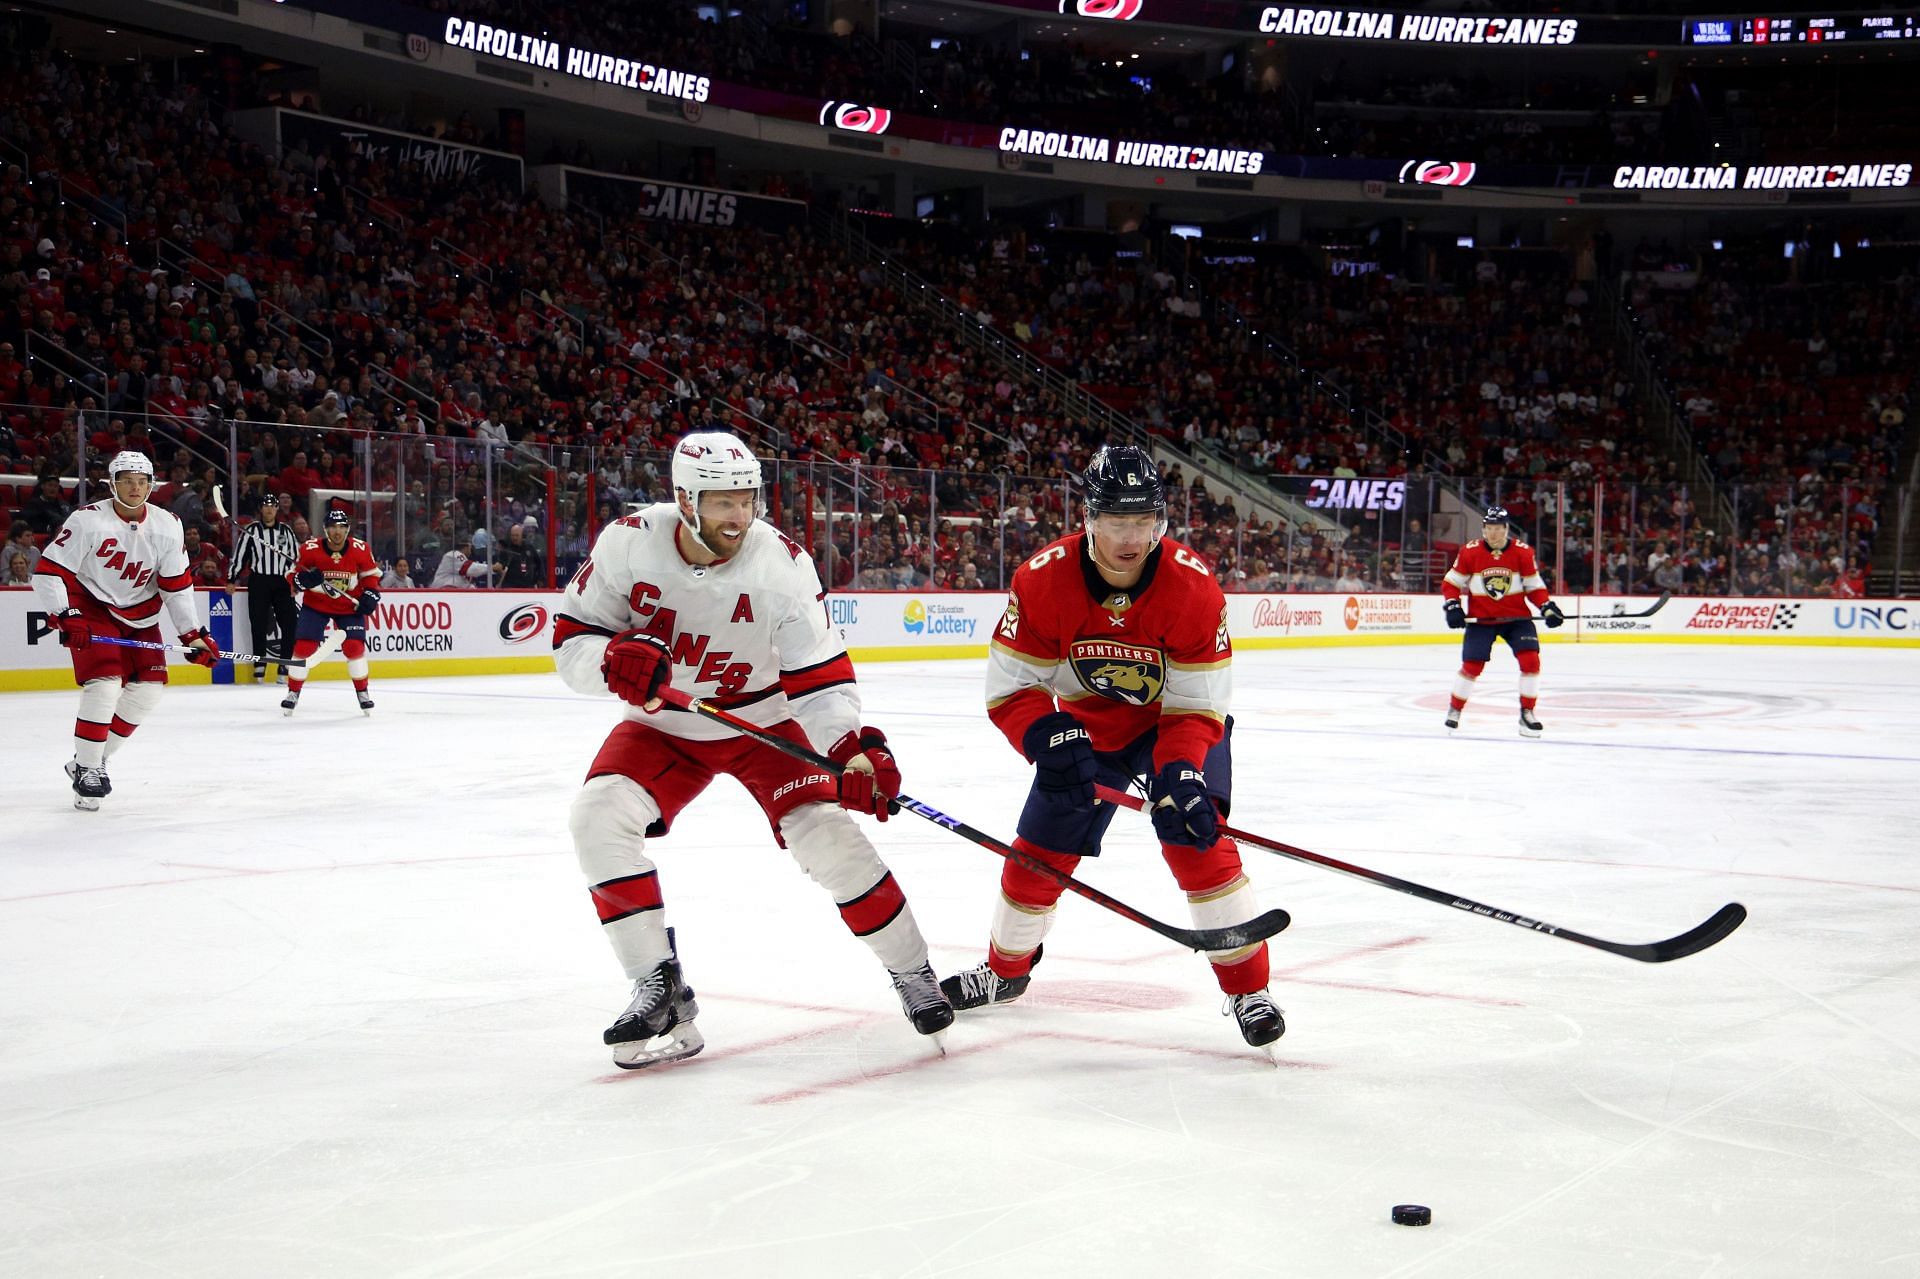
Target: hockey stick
(1648,611)
(1231,938)
(176,648)
(1715,929)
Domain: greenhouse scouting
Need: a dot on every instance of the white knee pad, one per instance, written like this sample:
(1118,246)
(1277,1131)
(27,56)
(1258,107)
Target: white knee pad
(836,855)
(832,850)
(609,822)
(137,701)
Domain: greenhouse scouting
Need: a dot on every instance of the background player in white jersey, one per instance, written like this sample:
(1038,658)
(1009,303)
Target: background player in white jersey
(701,595)
(107,573)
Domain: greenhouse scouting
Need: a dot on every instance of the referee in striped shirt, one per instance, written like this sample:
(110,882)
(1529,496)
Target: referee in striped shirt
(268,550)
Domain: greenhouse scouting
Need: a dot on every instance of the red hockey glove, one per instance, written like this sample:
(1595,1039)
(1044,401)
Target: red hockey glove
(869,777)
(201,650)
(73,628)
(637,666)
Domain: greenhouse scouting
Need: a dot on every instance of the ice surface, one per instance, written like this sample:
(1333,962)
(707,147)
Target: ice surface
(323,996)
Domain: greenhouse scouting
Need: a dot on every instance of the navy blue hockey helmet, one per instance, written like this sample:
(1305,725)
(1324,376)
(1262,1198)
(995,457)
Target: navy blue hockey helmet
(339,517)
(1123,480)
(1497,515)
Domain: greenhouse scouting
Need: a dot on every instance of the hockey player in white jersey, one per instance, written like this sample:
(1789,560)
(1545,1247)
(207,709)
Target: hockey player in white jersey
(701,595)
(107,573)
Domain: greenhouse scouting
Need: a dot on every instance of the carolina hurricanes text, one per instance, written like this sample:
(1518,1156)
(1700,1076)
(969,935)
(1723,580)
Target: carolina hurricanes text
(516,46)
(1363,24)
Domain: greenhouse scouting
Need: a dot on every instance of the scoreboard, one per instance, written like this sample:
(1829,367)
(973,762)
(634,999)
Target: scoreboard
(1802,28)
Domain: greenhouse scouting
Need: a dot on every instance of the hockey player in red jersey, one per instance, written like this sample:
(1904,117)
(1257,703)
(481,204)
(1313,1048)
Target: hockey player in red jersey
(337,580)
(700,595)
(1112,664)
(1498,575)
(107,574)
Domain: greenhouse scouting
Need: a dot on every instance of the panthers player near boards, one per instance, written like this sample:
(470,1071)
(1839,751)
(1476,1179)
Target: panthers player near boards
(1112,664)
(1498,575)
(104,576)
(337,578)
(701,595)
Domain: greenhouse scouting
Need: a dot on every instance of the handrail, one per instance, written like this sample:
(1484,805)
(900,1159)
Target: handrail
(460,257)
(71,190)
(391,218)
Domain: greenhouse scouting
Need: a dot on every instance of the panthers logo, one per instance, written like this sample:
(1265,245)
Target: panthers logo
(1497,581)
(1120,672)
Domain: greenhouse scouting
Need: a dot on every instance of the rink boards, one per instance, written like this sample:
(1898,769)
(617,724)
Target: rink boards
(500,632)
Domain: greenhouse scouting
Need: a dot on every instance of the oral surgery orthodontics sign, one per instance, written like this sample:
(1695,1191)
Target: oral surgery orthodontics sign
(586,64)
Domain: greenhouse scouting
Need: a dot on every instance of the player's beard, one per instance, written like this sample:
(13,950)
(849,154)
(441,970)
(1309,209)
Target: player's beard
(710,536)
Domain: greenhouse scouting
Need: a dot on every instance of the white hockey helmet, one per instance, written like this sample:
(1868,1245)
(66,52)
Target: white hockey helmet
(134,463)
(706,461)
(130,461)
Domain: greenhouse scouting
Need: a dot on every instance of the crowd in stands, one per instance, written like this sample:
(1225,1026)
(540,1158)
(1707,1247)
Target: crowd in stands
(509,371)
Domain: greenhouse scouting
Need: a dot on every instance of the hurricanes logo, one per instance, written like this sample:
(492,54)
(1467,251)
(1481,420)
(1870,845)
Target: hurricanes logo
(1439,173)
(1498,582)
(1120,672)
(1113,10)
(855,117)
(528,622)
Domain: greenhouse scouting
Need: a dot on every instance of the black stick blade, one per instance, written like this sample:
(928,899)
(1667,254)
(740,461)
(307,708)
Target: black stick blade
(1712,932)
(1234,937)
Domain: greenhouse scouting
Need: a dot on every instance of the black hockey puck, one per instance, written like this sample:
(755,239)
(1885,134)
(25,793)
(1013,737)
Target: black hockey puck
(1412,1215)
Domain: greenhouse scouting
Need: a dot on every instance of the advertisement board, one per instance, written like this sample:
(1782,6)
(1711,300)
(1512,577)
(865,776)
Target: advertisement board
(498,632)
(438,160)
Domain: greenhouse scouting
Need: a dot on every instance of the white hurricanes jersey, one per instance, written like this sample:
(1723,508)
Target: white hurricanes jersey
(131,568)
(749,633)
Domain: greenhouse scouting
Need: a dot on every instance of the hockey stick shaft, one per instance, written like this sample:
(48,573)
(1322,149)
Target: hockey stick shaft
(1648,611)
(1203,939)
(1698,938)
(175,648)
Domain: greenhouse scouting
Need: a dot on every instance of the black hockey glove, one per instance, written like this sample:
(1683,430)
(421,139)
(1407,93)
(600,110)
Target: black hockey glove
(637,666)
(308,578)
(1456,616)
(1550,614)
(1062,755)
(369,600)
(1183,812)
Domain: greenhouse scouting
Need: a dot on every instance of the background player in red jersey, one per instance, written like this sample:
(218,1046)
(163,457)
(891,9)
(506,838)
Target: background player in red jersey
(336,576)
(1111,664)
(1498,575)
(107,574)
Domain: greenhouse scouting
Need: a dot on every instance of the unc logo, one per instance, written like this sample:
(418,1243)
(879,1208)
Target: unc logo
(1120,672)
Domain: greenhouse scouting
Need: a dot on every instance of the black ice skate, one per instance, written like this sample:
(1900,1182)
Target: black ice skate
(658,1025)
(90,786)
(366,700)
(923,1001)
(287,703)
(1259,1019)
(1453,717)
(1530,725)
(981,986)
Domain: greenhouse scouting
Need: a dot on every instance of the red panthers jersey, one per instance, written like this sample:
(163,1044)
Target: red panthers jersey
(1121,661)
(1497,584)
(347,573)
